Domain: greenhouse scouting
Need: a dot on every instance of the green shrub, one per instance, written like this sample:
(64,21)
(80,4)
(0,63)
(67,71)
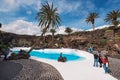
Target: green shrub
(89,44)
(103,42)
(110,40)
(117,38)
(107,31)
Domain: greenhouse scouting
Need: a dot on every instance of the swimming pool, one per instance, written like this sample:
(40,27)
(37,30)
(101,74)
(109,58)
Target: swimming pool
(53,55)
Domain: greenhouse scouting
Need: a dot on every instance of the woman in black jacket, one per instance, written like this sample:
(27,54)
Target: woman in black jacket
(100,60)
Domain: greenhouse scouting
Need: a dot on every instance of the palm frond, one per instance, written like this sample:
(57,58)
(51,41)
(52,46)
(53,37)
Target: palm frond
(48,16)
(112,16)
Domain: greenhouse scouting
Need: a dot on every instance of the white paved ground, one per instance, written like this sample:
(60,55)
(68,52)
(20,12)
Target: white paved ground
(78,70)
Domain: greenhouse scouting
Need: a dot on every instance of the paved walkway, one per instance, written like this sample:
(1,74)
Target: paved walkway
(73,70)
(115,67)
(78,70)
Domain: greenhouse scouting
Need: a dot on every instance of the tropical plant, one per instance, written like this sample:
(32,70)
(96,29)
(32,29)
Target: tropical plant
(91,18)
(47,17)
(5,42)
(68,30)
(113,18)
(53,32)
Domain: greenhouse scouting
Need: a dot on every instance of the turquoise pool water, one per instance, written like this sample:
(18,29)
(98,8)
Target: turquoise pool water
(54,56)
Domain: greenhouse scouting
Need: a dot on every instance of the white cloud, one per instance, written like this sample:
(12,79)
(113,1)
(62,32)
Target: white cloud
(65,7)
(11,5)
(28,28)
(33,3)
(7,5)
(21,27)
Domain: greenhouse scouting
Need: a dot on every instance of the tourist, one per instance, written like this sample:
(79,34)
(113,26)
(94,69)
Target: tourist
(95,60)
(105,63)
(91,49)
(61,58)
(6,53)
(21,51)
(0,54)
(100,60)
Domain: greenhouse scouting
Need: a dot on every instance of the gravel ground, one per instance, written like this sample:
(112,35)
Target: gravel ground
(115,67)
(27,69)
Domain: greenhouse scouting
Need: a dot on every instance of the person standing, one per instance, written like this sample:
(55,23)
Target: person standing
(91,49)
(6,53)
(100,60)
(105,64)
(95,60)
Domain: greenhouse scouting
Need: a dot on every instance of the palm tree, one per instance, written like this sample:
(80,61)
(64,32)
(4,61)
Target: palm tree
(113,18)
(91,18)
(53,32)
(68,30)
(47,17)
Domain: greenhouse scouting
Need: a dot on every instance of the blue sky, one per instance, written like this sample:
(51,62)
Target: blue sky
(19,13)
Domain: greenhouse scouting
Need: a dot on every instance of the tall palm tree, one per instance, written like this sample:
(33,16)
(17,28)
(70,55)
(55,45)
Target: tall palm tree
(47,17)
(53,32)
(113,18)
(91,18)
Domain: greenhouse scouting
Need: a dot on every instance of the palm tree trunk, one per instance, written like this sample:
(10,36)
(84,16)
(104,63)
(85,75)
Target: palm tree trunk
(114,35)
(93,27)
(37,41)
(43,38)
(91,39)
(52,37)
